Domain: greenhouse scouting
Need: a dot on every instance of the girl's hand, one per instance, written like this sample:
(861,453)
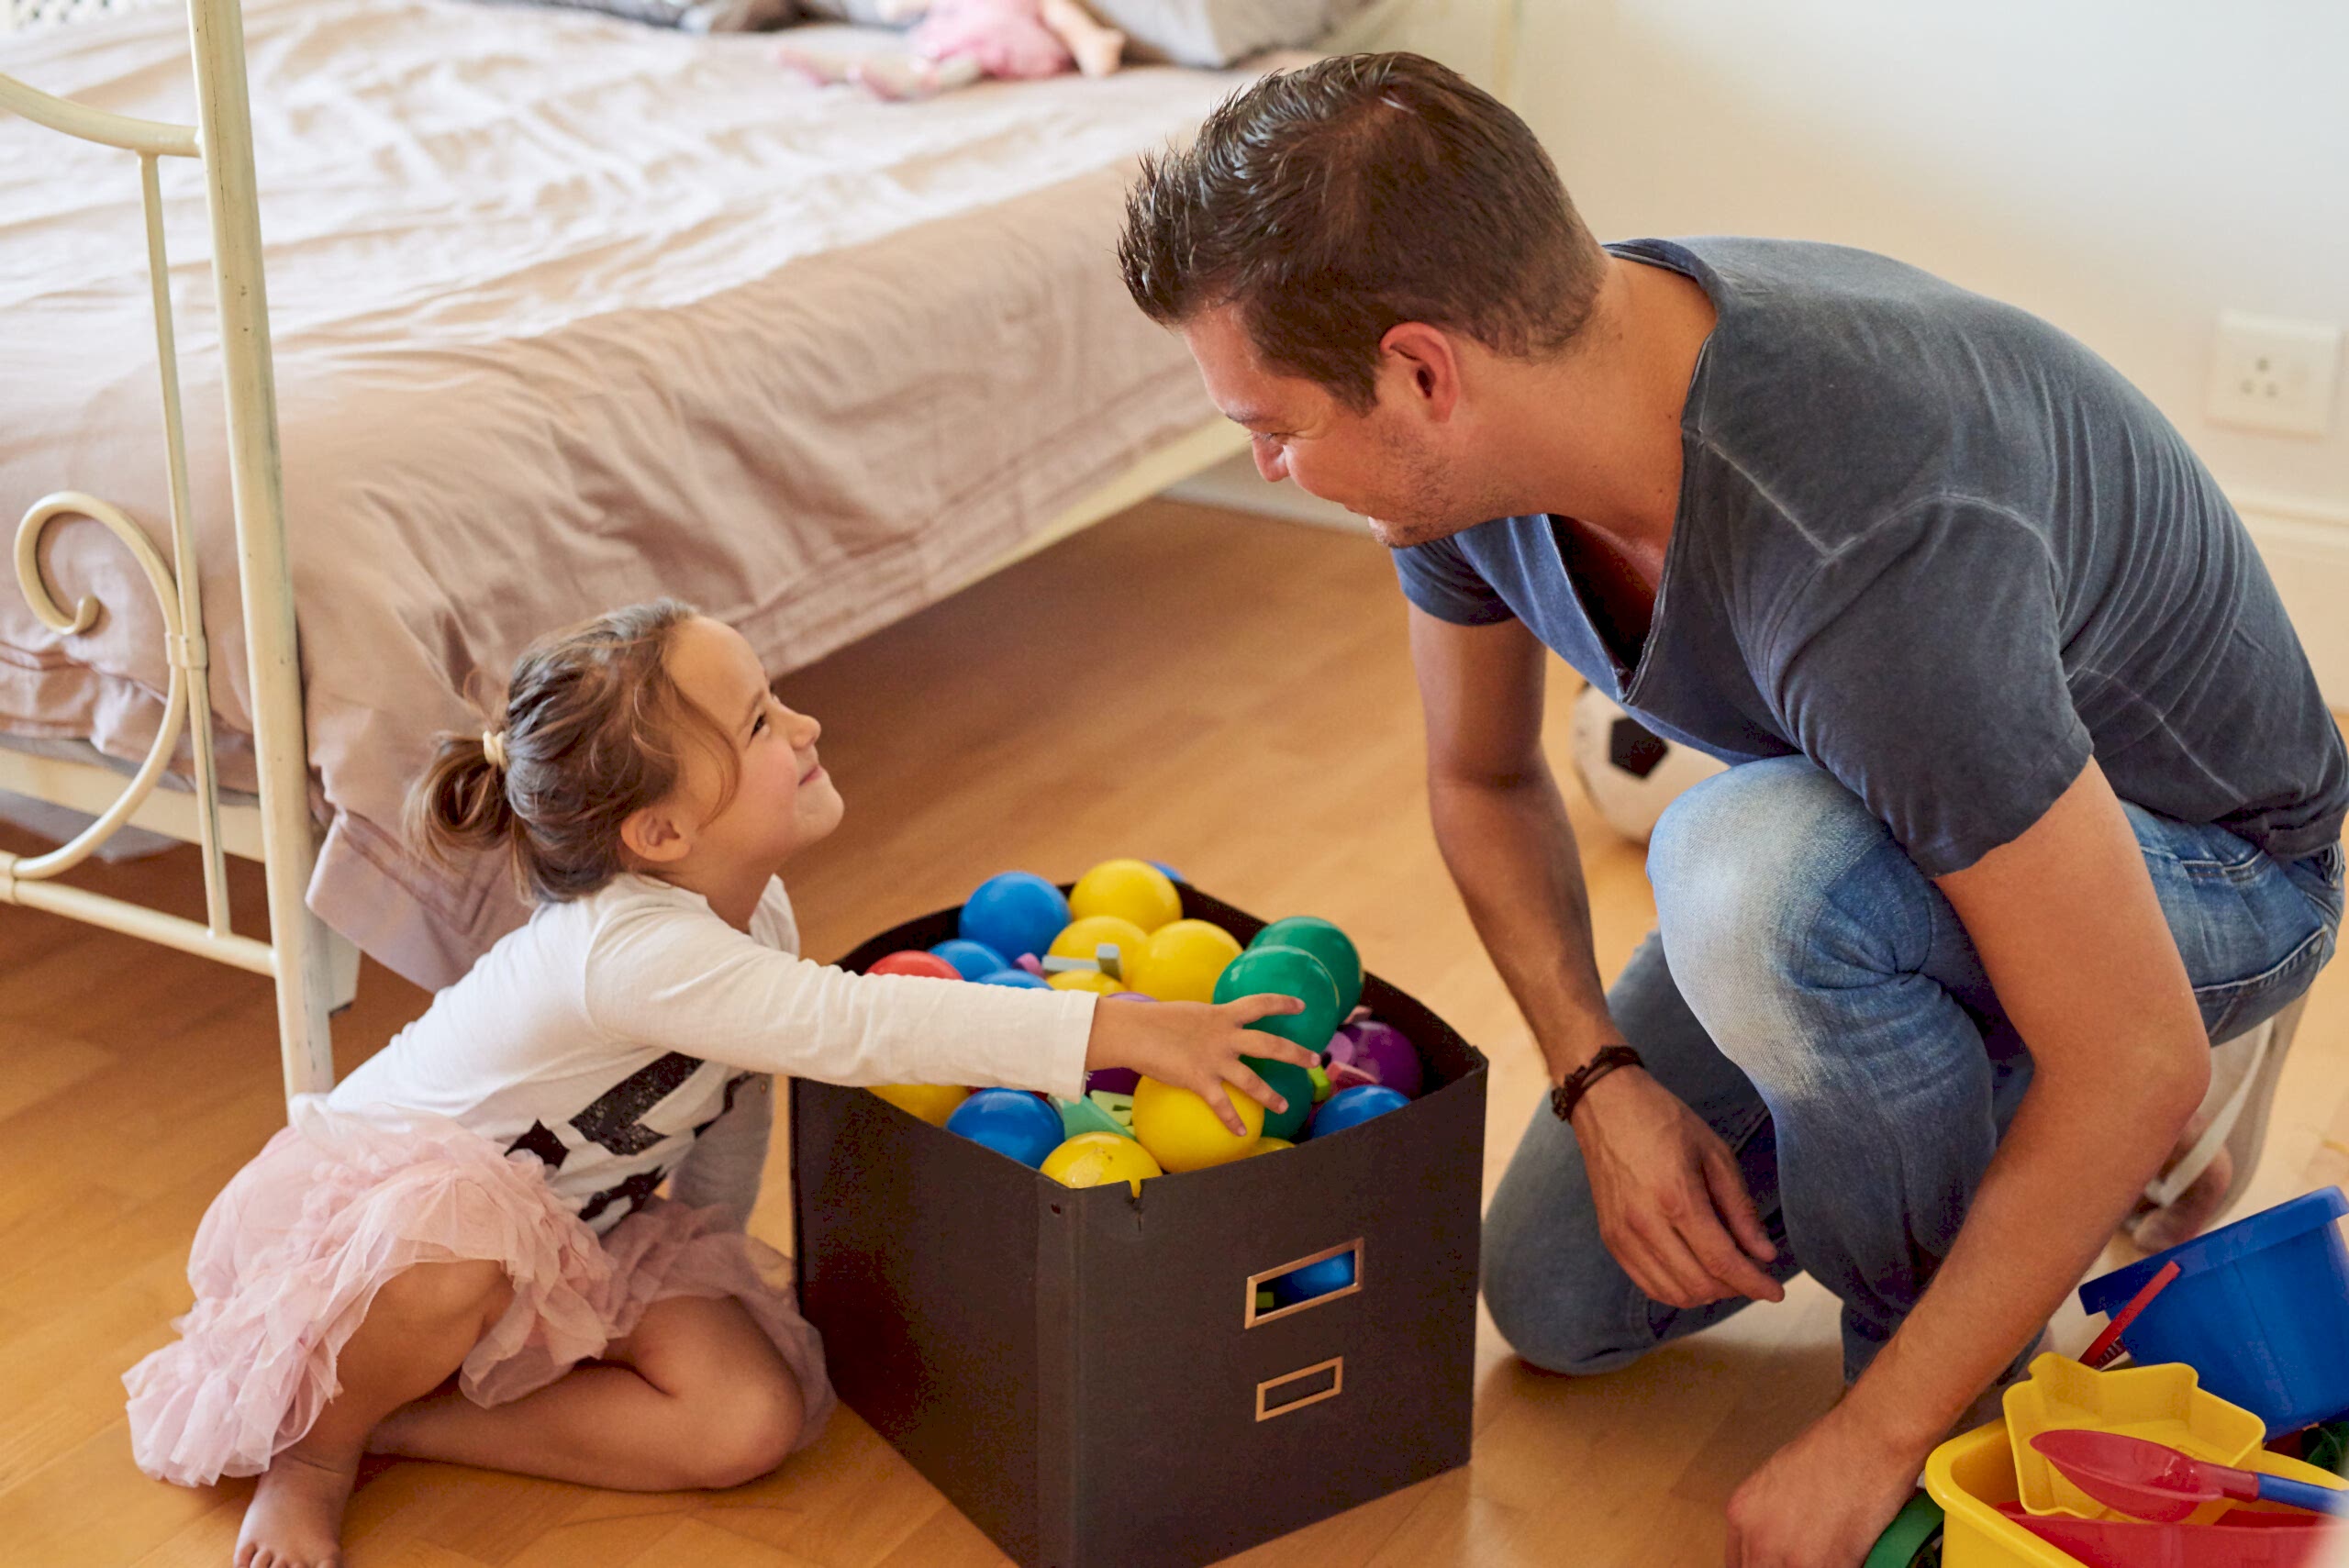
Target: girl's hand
(1196,1046)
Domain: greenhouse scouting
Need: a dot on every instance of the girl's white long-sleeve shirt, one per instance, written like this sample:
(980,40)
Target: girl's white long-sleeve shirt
(630,1036)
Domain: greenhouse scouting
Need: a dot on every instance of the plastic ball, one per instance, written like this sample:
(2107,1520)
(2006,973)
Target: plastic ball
(1286,972)
(1084,937)
(1292,1084)
(1325,942)
(1350,1107)
(1177,1125)
(1168,872)
(971,960)
(1383,1052)
(1314,1280)
(1018,912)
(1184,960)
(1129,890)
(1268,1144)
(1091,980)
(1009,1121)
(1116,1080)
(931,1101)
(1097,1159)
(915,961)
(1019,979)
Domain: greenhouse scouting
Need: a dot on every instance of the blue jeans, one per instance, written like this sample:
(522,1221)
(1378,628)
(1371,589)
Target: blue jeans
(1810,994)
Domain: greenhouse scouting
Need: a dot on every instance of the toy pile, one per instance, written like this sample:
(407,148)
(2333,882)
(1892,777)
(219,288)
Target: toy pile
(2219,1446)
(1121,932)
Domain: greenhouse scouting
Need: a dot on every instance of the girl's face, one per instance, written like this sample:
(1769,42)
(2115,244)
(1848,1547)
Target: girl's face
(783,799)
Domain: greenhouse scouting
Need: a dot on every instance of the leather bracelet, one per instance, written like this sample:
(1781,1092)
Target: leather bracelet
(1568,1094)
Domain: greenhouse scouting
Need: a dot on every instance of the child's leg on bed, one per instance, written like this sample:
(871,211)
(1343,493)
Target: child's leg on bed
(697,1396)
(418,1331)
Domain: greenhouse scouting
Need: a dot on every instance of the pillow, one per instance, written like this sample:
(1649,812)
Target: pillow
(1188,32)
(1221,32)
(691,15)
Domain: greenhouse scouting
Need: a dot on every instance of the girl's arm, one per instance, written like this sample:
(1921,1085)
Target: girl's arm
(727,1164)
(675,976)
(672,975)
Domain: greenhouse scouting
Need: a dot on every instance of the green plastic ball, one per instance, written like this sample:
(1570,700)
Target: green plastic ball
(1289,971)
(1292,1084)
(1325,942)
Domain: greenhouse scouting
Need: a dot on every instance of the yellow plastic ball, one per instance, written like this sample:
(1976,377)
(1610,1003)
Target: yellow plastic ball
(1097,1159)
(1084,938)
(1183,1134)
(1184,960)
(1091,980)
(931,1101)
(1268,1144)
(1131,890)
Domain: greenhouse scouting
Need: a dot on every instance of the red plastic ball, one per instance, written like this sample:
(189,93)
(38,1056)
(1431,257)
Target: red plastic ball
(913,961)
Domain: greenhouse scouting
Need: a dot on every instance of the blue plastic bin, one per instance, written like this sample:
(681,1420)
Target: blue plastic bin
(2260,1308)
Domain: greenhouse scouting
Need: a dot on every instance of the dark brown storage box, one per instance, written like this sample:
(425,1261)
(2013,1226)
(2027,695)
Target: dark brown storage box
(1082,1373)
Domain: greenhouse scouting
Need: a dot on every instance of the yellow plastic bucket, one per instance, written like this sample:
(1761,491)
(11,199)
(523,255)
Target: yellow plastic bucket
(1969,1476)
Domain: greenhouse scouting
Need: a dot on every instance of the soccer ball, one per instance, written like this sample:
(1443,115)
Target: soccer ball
(1631,772)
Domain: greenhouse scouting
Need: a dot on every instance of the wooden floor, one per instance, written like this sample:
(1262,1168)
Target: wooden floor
(1224,693)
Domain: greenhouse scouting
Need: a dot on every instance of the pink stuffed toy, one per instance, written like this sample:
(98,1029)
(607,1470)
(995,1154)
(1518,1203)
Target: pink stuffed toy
(958,41)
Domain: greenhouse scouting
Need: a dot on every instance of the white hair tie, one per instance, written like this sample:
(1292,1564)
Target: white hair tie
(493,746)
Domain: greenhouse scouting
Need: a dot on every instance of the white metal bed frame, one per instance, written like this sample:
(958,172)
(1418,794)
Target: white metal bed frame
(315,969)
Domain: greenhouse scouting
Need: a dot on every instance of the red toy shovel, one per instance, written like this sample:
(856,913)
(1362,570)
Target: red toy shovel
(2152,1481)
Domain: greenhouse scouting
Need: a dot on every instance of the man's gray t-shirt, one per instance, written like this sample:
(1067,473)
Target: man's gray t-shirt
(1946,552)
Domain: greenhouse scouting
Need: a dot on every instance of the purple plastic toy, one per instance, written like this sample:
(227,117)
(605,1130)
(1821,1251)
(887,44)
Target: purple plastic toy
(1380,1050)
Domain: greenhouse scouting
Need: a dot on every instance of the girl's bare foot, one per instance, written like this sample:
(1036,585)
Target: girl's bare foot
(295,1516)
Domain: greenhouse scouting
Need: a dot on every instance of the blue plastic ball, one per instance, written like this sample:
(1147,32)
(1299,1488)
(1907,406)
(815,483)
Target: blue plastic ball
(1009,1121)
(1020,978)
(1169,873)
(972,961)
(1350,1107)
(1018,912)
(1314,1280)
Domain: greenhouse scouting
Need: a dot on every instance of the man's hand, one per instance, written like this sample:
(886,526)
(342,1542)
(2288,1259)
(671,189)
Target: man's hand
(1822,1500)
(1672,1207)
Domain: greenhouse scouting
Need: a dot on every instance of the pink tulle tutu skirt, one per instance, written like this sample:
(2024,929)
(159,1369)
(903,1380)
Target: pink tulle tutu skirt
(293,1251)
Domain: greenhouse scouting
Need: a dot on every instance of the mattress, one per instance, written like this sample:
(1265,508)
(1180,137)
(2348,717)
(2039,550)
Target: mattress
(567,313)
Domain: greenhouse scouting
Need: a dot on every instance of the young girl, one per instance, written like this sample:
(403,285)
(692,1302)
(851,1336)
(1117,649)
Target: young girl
(460,1253)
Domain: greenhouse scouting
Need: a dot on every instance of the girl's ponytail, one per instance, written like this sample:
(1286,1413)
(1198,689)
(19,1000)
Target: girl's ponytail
(459,805)
(590,731)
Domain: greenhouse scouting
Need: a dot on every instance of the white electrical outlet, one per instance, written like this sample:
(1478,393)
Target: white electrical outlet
(2272,374)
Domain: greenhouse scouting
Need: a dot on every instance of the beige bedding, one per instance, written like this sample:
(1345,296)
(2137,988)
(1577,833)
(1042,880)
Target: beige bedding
(568,312)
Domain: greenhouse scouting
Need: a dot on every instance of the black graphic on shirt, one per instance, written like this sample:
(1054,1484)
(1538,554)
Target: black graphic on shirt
(614,1120)
(542,1142)
(631,1192)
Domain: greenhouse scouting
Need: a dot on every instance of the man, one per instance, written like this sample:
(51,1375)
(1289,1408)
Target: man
(2035,793)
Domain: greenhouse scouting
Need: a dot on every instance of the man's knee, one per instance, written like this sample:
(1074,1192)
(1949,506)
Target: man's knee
(1551,1331)
(1554,1293)
(1771,878)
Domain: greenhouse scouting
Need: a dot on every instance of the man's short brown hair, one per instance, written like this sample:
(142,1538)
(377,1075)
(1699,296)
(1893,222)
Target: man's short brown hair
(1331,203)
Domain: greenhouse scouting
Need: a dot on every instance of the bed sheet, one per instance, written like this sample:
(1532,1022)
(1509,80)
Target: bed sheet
(567,313)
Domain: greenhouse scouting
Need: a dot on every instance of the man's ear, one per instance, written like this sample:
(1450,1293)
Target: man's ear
(656,835)
(1419,364)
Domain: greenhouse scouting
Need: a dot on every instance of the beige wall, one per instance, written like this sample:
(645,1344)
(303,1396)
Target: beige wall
(2125,168)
